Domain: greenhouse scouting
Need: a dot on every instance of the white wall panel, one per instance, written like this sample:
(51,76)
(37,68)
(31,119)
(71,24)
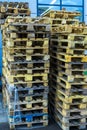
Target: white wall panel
(85,11)
(33,7)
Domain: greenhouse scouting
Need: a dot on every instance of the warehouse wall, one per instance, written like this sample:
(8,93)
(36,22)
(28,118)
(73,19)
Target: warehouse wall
(85,11)
(33,7)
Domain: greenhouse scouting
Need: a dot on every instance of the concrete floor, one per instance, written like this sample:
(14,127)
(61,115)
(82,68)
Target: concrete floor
(3,114)
(52,126)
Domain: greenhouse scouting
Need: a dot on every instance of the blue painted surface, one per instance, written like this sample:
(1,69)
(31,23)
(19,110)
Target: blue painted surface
(27,117)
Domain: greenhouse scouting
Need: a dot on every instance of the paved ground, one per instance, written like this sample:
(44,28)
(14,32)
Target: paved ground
(3,114)
(52,126)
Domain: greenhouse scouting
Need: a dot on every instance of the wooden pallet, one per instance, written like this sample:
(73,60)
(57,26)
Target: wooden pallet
(61,14)
(71,72)
(25,23)
(22,57)
(65,125)
(30,105)
(75,78)
(71,114)
(72,65)
(68,107)
(14,8)
(69,101)
(69,69)
(60,29)
(17,19)
(30,98)
(14,4)
(33,116)
(30,125)
(56,21)
(29,71)
(69,58)
(25,77)
(69,44)
(64,27)
(72,37)
(23,84)
(27,65)
(27,43)
(26,50)
(68,51)
(74,89)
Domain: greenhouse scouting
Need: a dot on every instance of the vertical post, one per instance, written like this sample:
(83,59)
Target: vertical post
(60,4)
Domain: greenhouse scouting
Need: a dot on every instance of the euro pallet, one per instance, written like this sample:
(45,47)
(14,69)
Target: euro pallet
(68,107)
(24,84)
(69,58)
(78,124)
(68,44)
(72,37)
(29,105)
(71,99)
(27,51)
(29,65)
(61,14)
(27,43)
(13,4)
(26,77)
(28,125)
(24,57)
(15,26)
(72,113)
(28,118)
(67,84)
(34,35)
(28,71)
(65,50)
(72,65)
(70,90)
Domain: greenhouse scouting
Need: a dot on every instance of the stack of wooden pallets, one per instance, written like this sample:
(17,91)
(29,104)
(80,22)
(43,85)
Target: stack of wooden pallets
(13,9)
(59,20)
(25,72)
(68,73)
(68,90)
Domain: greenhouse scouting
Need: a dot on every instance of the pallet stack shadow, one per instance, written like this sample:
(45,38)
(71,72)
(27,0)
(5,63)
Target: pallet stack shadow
(68,74)
(25,72)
